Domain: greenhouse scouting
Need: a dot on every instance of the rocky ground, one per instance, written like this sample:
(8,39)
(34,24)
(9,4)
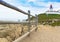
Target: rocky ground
(10,32)
(45,33)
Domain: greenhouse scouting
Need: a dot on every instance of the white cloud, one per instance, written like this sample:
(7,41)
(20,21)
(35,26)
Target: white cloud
(31,0)
(9,13)
(35,0)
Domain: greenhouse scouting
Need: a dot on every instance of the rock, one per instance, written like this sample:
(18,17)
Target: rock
(3,40)
(9,38)
(3,34)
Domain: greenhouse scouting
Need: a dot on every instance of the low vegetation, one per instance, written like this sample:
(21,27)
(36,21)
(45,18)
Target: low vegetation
(44,18)
(56,23)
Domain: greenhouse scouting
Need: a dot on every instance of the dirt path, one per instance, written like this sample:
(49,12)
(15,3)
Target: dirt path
(44,34)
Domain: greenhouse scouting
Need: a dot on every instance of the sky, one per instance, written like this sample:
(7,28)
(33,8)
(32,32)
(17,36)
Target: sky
(35,6)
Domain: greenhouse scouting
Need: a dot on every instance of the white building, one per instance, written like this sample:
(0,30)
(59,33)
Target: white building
(51,11)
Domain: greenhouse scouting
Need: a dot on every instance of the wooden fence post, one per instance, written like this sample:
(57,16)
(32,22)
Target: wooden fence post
(36,22)
(22,29)
(29,21)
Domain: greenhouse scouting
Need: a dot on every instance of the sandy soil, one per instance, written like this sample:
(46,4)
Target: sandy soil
(44,34)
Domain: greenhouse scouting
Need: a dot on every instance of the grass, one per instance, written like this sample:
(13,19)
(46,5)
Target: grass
(56,23)
(44,17)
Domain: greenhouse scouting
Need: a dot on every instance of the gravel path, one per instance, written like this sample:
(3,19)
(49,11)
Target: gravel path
(44,34)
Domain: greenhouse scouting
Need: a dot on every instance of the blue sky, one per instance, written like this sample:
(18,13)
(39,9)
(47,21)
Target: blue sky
(35,6)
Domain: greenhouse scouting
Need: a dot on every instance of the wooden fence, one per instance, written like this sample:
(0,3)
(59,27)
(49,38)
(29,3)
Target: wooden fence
(29,21)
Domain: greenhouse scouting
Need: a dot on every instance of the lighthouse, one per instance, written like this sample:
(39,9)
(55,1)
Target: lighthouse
(51,11)
(51,7)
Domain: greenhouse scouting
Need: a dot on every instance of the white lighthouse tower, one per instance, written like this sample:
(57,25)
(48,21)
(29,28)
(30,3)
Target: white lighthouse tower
(51,8)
